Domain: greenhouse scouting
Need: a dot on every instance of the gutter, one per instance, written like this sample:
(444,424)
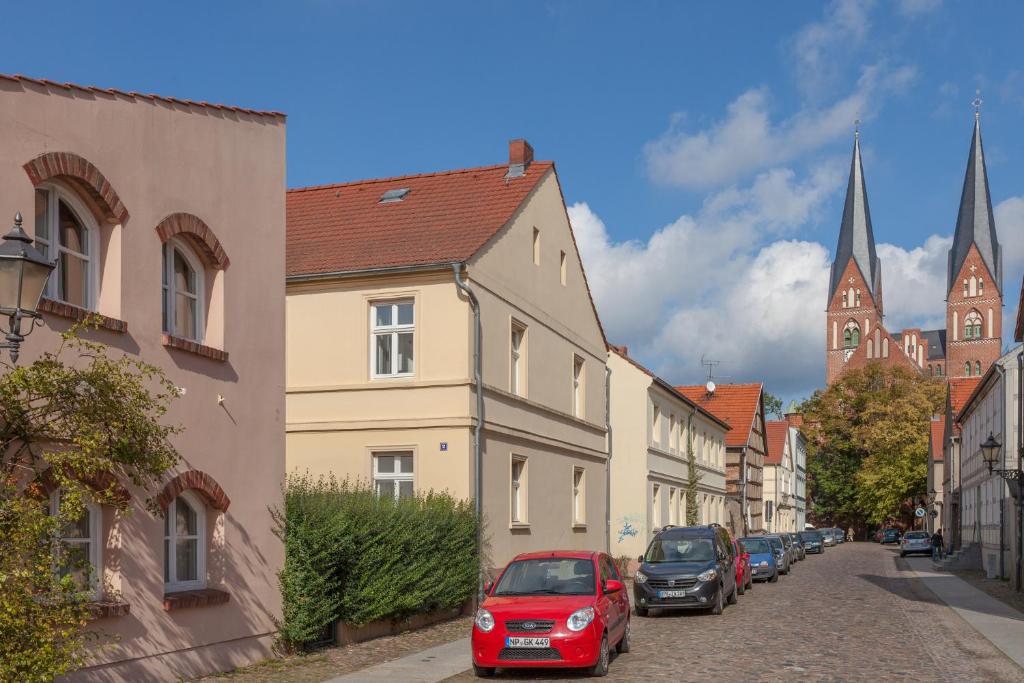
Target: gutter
(344,274)
(1002,485)
(474,304)
(608,476)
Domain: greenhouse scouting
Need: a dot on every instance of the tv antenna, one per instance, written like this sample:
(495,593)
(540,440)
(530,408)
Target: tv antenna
(710,365)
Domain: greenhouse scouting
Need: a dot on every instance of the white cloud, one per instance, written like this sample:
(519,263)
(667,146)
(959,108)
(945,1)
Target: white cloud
(747,140)
(917,8)
(914,284)
(820,48)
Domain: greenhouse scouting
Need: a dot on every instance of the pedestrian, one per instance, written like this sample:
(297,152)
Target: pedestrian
(849,534)
(937,544)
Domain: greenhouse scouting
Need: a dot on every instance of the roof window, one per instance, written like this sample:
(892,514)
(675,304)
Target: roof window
(394,195)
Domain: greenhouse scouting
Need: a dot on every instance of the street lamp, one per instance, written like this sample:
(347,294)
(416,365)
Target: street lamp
(990,451)
(23,274)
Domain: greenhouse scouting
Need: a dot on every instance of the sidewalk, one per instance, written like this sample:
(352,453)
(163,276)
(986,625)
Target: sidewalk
(1002,625)
(429,666)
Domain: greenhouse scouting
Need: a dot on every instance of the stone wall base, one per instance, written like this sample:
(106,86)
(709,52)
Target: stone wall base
(348,634)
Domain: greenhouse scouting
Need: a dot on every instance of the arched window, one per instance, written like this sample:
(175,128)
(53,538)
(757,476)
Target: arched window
(847,339)
(81,548)
(849,294)
(974,286)
(858,298)
(183,292)
(965,287)
(885,347)
(67,233)
(185,543)
(977,368)
(981,286)
(851,335)
(972,325)
(967,368)
(938,370)
(931,370)
(845,304)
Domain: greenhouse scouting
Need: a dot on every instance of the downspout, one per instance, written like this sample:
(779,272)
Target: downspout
(1002,486)
(474,304)
(1019,537)
(743,487)
(608,476)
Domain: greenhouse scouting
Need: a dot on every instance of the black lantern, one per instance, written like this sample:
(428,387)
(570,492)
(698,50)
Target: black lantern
(990,450)
(23,274)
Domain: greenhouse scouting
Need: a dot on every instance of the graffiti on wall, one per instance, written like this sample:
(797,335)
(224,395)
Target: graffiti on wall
(629,527)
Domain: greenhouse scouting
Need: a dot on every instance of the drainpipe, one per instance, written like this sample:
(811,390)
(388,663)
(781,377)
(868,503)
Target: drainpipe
(1018,537)
(474,304)
(1002,486)
(608,477)
(743,499)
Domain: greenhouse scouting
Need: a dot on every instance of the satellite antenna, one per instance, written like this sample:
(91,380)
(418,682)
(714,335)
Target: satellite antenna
(711,365)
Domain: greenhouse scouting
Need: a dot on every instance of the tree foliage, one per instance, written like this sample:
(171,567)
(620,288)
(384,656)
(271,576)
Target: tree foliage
(773,406)
(867,442)
(85,422)
(693,477)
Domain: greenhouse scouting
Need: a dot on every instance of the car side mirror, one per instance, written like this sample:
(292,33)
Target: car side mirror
(613,586)
(488,585)
(640,559)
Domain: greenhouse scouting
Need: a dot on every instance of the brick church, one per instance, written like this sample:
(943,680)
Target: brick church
(971,341)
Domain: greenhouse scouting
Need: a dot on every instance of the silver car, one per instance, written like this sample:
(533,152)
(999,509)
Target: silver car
(782,557)
(916,542)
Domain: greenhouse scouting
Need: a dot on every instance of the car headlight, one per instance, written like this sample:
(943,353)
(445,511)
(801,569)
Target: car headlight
(764,563)
(580,619)
(640,577)
(484,620)
(708,575)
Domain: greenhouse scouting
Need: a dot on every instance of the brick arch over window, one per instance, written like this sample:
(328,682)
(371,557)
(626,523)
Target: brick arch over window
(45,484)
(198,234)
(84,176)
(194,480)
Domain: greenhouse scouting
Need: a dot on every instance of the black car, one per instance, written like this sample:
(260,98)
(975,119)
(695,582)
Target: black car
(890,536)
(813,541)
(687,568)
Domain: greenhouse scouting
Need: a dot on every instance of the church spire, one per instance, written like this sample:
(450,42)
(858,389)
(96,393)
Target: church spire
(856,239)
(975,223)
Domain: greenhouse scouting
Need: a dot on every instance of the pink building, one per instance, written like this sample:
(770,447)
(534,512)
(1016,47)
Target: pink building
(167,218)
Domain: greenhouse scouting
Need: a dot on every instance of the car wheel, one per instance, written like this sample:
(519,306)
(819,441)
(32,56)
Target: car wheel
(483,671)
(750,581)
(642,611)
(741,588)
(623,645)
(600,667)
(719,605)
(903,554)
(733,599)
(775,577)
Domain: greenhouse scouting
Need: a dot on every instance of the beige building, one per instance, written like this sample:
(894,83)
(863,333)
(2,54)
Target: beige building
(958,391)
(384,278)
(167,217)
(936,464)
(653,425)
(780,481)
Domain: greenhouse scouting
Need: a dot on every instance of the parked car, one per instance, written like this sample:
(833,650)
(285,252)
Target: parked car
(787,541)
(781,556)
(890,535)
(687,568)
(827,538)
(552,609)
(812,541)
(744,578)
(840,535)
(919,542)
(798,546)
(763,564)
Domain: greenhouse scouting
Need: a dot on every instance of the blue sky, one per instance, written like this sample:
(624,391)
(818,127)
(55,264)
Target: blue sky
(702,147)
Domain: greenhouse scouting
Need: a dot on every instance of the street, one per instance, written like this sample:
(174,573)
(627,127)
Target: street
(854,613)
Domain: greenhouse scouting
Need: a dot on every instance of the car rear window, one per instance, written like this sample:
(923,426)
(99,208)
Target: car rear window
(755,546)
(916,534)
(548,576)
(680,550)
(810,536)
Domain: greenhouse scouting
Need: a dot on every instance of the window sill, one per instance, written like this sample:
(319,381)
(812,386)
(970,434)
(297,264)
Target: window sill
(204,597)
(78,314)
(519,525)
(196,348)
(579,526)
(106,609)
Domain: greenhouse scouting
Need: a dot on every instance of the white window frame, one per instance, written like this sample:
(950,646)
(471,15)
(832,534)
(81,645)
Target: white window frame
(394,477)
(579,496)
(517,363)
(393,330)
(655,506)
(170,292)
(656,424)
(578,369)
(518,490)
(95,541)
(171,583)
(50,245)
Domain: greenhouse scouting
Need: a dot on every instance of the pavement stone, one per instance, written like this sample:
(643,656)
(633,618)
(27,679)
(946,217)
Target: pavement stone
(856,613)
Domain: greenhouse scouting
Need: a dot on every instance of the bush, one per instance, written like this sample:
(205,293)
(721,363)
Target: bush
(356,557)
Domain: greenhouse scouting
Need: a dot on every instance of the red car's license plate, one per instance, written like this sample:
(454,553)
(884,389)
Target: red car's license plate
(518,641)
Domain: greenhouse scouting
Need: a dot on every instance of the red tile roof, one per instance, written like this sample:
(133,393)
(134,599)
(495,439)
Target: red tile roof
(775,441)
(960,389)
(737,404)
(935,444)
(446,217)
(18,78)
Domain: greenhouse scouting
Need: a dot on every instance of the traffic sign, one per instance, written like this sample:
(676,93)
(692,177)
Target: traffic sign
(920,512)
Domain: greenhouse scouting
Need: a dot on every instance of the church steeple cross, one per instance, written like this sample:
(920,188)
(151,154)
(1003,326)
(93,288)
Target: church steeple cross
(977,102)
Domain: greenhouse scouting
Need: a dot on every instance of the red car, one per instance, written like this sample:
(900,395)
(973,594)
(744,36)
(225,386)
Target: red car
(744,577)
(552,609)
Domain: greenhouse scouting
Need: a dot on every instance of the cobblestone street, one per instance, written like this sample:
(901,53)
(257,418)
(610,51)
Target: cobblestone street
(852,614)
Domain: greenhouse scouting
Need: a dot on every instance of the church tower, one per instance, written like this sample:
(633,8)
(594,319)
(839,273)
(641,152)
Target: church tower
(974,289)
(854,308)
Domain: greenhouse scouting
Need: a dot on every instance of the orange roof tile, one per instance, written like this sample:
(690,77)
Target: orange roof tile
(737,404)
(446,217)
(935,445)
(775,441)
(18,78)
(960,389)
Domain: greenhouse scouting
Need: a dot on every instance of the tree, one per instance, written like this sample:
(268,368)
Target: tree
(867,442)
(90,426)
(693,477)
(773,406)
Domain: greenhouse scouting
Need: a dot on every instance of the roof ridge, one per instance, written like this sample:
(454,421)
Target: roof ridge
(410,176)
(138,95)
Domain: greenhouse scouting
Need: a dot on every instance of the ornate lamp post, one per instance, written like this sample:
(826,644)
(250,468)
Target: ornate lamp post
(23,274)
(990,452)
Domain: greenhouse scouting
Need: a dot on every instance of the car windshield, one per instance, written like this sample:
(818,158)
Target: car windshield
(892,532)
(916,534)
(776,542)
(680,550)
(755,546)
(810,536)
(548,576)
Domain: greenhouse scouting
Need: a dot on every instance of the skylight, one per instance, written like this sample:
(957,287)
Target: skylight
(394,195)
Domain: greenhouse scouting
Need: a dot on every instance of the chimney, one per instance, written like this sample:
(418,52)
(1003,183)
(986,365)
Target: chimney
(793,415)
(622,350)
(520,156)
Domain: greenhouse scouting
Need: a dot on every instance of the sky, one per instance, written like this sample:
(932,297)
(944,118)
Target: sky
(703,148)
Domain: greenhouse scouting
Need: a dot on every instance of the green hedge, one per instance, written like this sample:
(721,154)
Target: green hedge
(356,557)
